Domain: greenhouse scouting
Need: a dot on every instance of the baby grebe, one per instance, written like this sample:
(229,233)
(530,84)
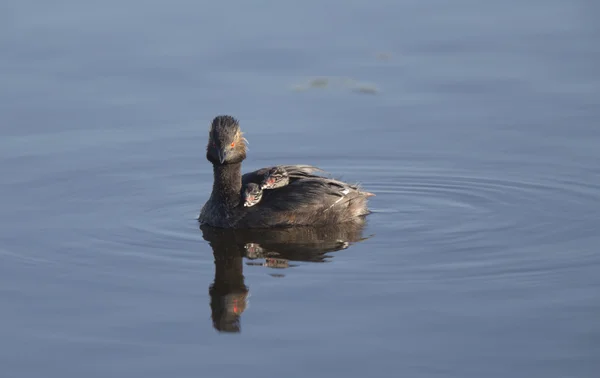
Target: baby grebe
(252,194)
(301,197)
(275,178)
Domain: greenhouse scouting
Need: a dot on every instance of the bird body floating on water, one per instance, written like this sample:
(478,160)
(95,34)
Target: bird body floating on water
(280,196)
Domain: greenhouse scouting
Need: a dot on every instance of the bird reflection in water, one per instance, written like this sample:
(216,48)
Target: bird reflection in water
(279,248)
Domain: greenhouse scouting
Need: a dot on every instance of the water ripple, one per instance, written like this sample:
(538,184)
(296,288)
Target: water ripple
(452,208)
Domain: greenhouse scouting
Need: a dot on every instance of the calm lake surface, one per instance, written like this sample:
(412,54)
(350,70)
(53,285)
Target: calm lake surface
(477,124)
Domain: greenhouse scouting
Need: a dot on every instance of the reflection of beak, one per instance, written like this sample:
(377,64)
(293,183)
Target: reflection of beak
(222,155)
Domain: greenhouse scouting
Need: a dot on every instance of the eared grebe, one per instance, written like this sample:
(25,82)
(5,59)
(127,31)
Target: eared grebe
(252,194)
(297,197)
(275,178)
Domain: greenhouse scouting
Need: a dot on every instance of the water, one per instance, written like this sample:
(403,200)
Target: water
(475,123)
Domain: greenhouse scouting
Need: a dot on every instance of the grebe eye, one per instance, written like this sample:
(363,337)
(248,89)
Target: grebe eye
(232,144)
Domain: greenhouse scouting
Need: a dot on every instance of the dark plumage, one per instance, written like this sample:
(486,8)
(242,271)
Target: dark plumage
(307,199)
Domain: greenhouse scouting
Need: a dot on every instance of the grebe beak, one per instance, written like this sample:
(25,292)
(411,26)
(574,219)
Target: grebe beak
(222,155)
